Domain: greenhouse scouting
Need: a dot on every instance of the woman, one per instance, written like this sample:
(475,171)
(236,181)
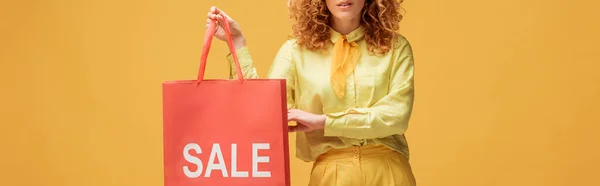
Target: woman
(350,88)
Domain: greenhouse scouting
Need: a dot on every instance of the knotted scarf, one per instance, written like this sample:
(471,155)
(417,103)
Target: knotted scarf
(345,58)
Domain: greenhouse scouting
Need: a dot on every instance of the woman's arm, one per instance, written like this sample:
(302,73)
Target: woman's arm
(246,64)
(388,116)
(282,68)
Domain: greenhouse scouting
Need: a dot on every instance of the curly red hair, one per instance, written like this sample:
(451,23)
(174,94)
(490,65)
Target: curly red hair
(380,20)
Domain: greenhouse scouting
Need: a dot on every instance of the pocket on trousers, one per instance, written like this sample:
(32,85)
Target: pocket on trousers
(320,175)
(400,171)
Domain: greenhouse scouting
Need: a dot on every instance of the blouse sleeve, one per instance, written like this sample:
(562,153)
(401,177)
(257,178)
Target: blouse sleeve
(389,115)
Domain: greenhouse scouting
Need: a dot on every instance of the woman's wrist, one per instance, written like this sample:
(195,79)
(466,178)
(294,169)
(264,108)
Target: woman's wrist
(239,42)
(321,121)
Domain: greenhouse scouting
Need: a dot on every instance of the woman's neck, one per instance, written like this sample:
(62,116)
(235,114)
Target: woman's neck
(344,27)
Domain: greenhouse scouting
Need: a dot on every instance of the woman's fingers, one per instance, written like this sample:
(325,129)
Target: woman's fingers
(219,15)
(214,10)
(226,16)
(292,115)
(297,128)
(208,22)
(212,15)
(215,13)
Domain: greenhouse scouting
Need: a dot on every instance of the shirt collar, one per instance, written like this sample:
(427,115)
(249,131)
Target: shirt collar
(355,35)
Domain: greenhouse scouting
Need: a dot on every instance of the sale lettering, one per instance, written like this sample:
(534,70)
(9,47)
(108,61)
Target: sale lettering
(216,153)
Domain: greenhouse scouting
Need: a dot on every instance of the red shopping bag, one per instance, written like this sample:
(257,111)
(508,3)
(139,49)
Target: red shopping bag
(225,132)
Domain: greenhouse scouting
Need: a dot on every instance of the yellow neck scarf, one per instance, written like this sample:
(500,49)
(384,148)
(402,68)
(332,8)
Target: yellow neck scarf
(345,58)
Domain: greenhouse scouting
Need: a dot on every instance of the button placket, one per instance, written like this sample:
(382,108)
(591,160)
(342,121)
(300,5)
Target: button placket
(356,152)
(357,166)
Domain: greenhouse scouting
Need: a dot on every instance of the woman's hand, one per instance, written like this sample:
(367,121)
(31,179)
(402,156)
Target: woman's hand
(306,121)
(236,32)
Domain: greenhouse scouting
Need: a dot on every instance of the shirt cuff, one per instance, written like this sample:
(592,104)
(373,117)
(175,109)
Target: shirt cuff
(243,55)
(333,126)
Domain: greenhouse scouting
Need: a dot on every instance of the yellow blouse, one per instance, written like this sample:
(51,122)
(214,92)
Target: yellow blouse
(377,102)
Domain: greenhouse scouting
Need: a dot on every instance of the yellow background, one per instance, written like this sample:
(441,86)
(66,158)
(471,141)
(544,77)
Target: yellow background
(507,91)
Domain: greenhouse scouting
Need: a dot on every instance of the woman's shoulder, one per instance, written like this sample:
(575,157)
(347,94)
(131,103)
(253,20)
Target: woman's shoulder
(402,45)
(288,46)
(292,47)
(287,49)
(291,43)
(401,40)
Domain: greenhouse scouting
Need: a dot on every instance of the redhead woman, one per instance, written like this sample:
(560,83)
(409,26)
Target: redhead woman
(350,88)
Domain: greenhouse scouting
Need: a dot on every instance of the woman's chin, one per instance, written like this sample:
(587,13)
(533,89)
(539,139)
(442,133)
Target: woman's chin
(345,16)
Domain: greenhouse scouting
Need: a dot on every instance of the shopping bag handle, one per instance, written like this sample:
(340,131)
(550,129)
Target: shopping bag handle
(208,36)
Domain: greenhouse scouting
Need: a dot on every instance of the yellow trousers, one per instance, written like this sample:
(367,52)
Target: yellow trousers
(371,165)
